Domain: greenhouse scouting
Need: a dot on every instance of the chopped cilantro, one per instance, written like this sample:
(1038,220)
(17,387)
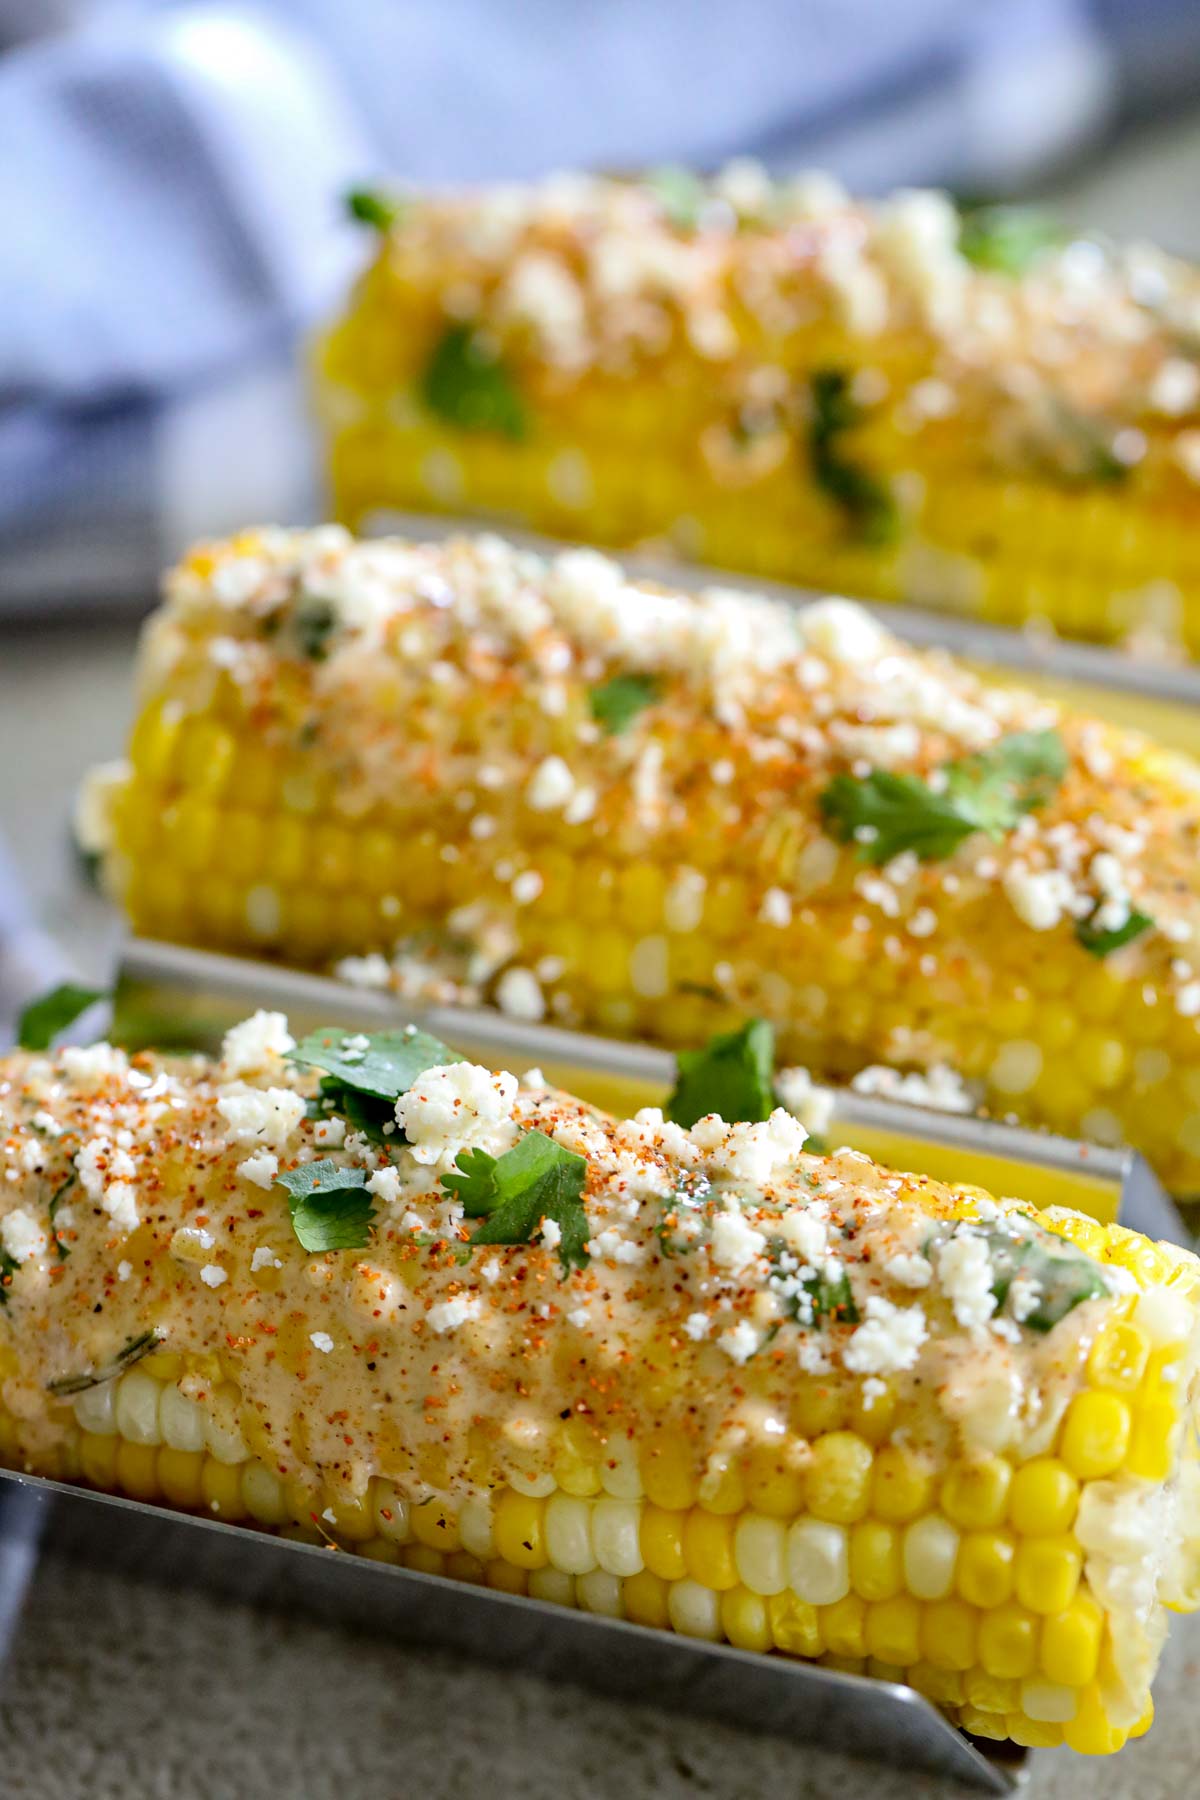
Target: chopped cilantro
(989,792)
(1064,1275)
(8,1268)
(680,192)
(1101,943)
(330,1207)
(809,1295)
(467,384)
(370,207)
(56,1199)
(1008,240)
(865,500)
(617,702)
(125,1358)
(364,1074)
(537,1179)
(313,624)
(730,1076)
(45,1017)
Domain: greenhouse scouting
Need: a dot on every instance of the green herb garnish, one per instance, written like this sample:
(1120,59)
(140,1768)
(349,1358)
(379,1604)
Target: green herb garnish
(313,624)
(989,792)
(330,1207)
(537,1179)
(681,193)
(56,1199)
(8,1268)
(44,1018)
(1008,240)
(365,1073)
(130,1353)
(616,703)
(865,500)
(467,384)
(813,1297)
(730,1076)
(1098,942)
(370,207)
(1065,1276)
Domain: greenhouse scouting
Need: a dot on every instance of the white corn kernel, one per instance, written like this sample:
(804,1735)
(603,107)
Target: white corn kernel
(222,1432)
(1048,1702)
(137,1408)
(930,1553)
(818,1562)
(536,1487)
(568,1527)
(760,1551)
(694,1611)
(262,1491)
(474,1526)
(552,1584)
(619,1474)
(180,1420)
(616,1526)
(95,1409)
(600,1592)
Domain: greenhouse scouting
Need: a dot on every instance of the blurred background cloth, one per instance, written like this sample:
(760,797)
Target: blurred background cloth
(170,179)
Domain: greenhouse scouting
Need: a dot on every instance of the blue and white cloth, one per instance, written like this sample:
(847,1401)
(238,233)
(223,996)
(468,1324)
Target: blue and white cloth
(170,177)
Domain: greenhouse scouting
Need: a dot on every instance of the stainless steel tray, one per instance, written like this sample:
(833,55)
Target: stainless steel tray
(188,998)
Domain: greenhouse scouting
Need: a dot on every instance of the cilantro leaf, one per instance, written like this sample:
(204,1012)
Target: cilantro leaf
(1065,1275)
(475,1184)
(8,1268)
(45,1017)
(330,1207)
(988,792)
(313,624)
(863,497)
(812,1296)
(680,192)
(467,384)
(126,1356)
(537,1179)
(383,1064)
(1008,240)
(369,207)
(56,1199)
(1101,943)
(730,1076)
(616,703)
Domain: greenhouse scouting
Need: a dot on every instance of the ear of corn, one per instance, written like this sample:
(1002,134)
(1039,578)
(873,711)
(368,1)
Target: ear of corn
(431,770)
(999,1522)
(784,381)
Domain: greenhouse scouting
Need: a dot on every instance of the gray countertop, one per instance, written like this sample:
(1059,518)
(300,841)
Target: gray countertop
(116,1687)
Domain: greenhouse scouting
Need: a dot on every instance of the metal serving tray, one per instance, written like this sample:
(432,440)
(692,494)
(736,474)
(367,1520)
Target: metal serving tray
(189,998)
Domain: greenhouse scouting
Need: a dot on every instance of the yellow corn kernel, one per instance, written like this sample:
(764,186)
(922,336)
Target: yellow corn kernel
(893,1630)
(872,1419)
(221,1489)
(708,1549)
(519,1529)
(667,1471)
(985,1570)
(1089,1731)
(661,1536)
(1008,1641)
(179,1476)
(1070,1650)
(774,1481)
(434,1525)
(503,1576)
(902,1484)
(982,1724)
(876,1569)
(98,1458)
(745,1619)
(1145,1722)
(424,1560)
(1095,1434)
(577,1461)
(645,1599)
(974,1494)
(1047,1572)
(844,1626)
(839,1478)
(1151,1453)
(795,1625)
(136,1470)
(1032,1734)
(1043,1498)
(353,1518)
(817,1407)
(722,1488)
(991,1693)
(1119,1356)
(943,1686)
(949,1630)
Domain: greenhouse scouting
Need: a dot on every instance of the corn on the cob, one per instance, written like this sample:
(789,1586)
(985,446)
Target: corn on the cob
(870,398)
(633,802)
(702,1380)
